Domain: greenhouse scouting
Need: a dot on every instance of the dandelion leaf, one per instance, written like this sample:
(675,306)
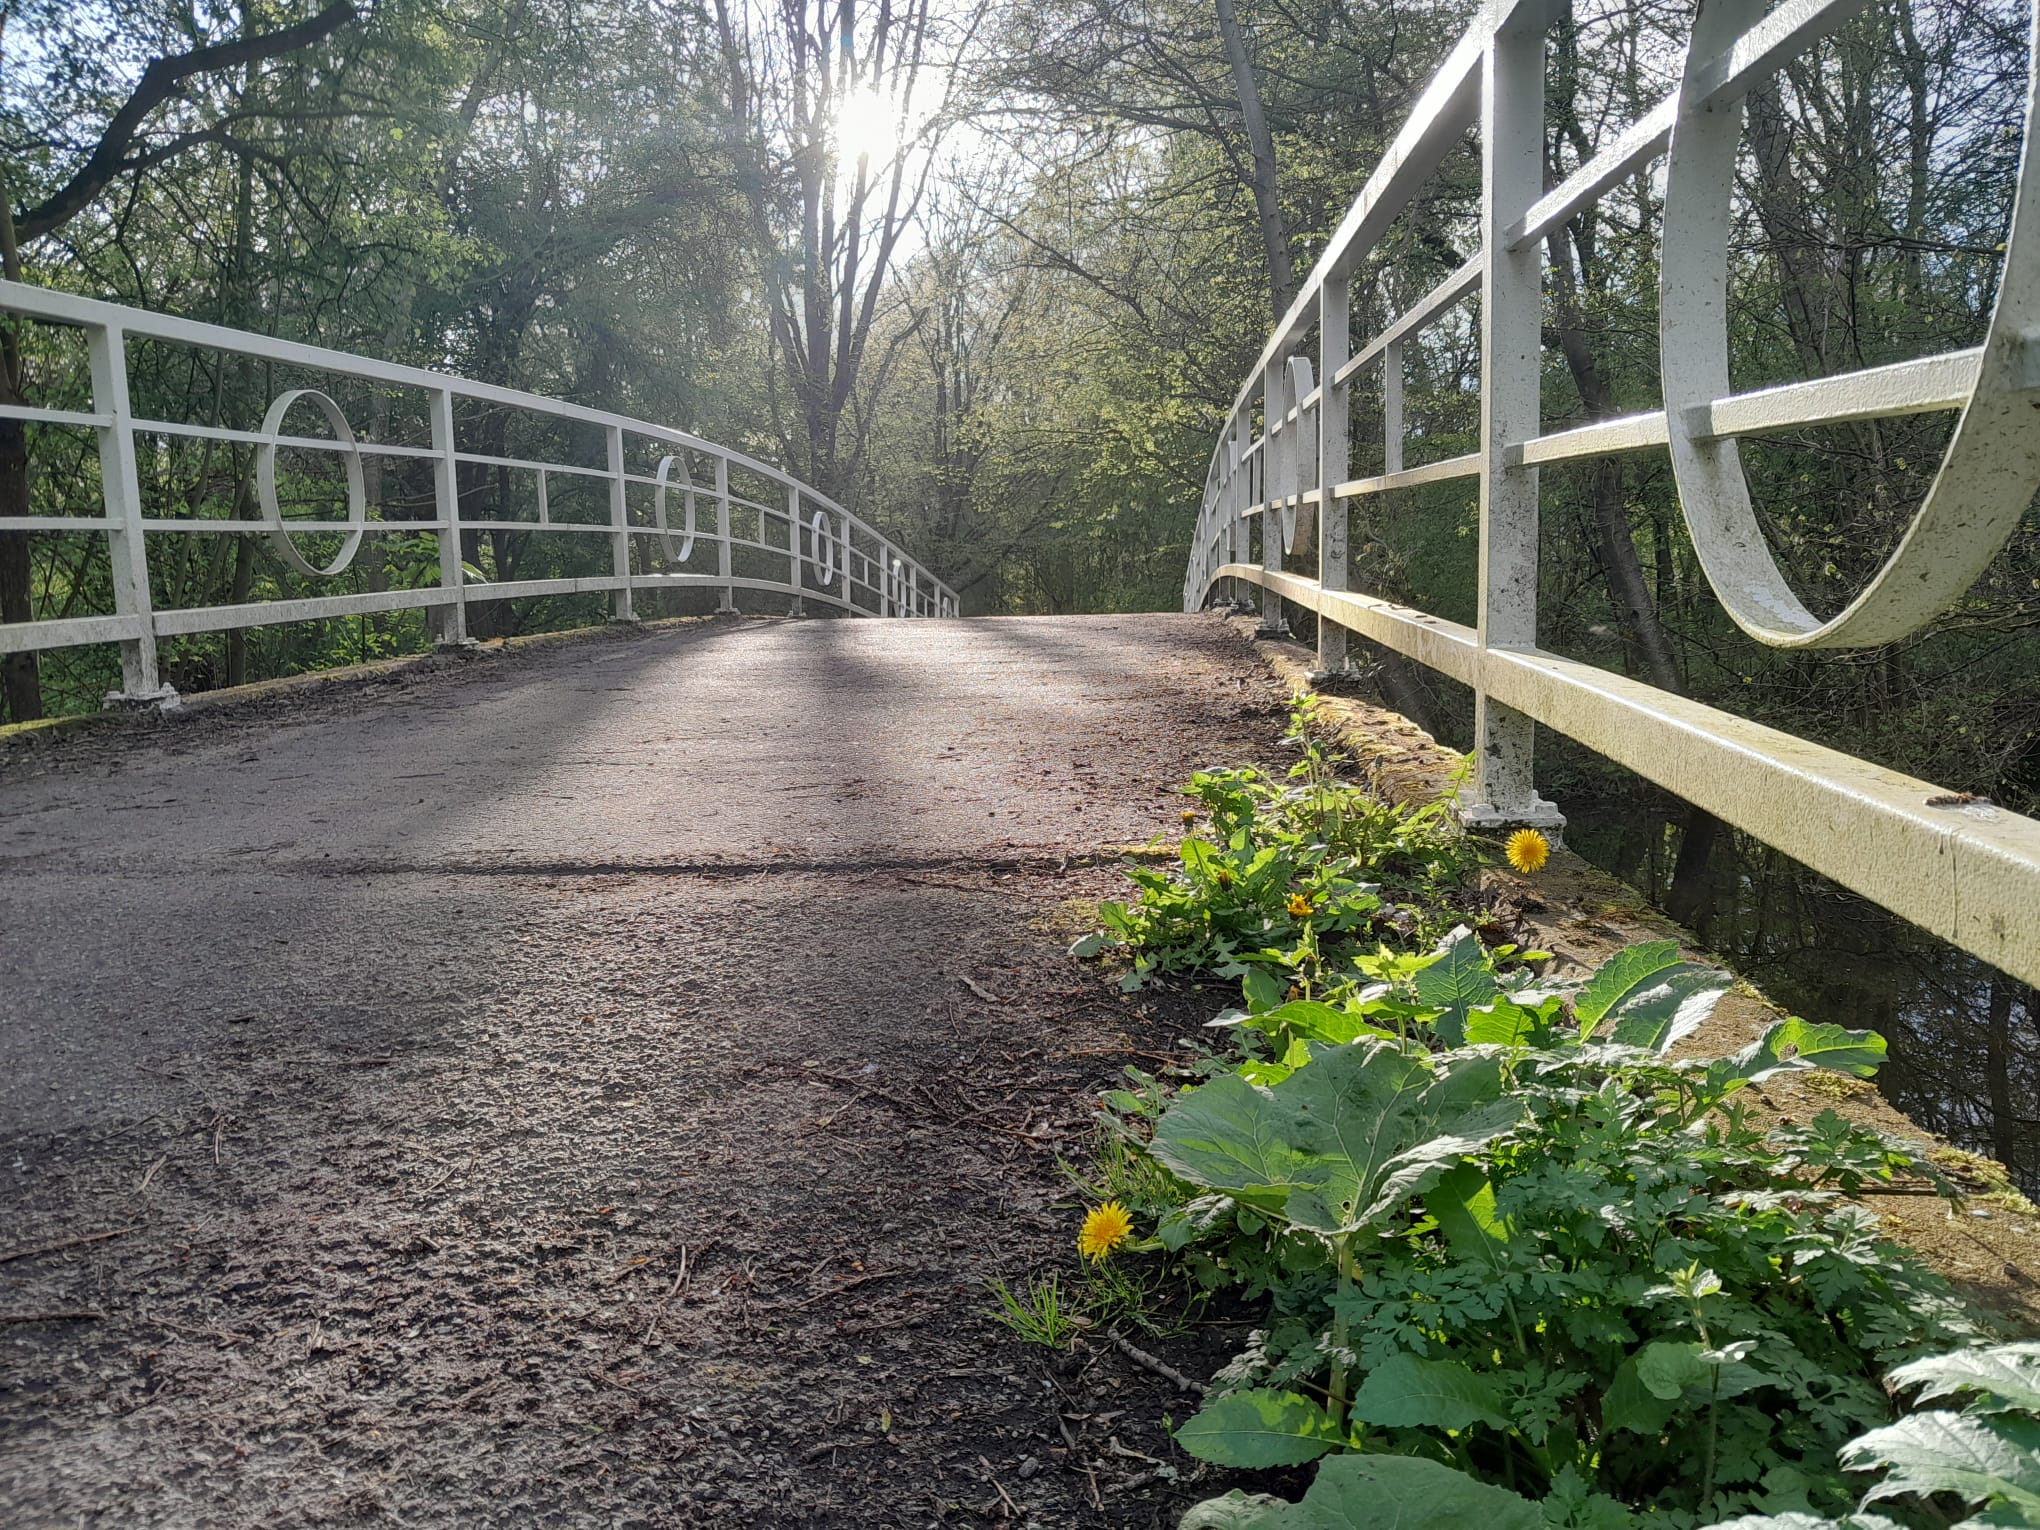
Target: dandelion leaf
(1408,1391)
(1259,1428)
(1376,1493)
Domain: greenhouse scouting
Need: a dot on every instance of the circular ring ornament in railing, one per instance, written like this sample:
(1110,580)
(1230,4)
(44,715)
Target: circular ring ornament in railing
(686,548)
(265,483)
(820,540)
(1992,466)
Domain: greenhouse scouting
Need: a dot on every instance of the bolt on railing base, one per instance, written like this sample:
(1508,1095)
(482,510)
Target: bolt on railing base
(625,619)
(1273,627)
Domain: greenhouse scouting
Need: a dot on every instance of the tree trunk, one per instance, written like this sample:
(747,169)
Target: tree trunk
(20,674)
(1281,277)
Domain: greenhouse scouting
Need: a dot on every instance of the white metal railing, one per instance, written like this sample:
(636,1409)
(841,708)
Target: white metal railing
(800,542)
(1965,870)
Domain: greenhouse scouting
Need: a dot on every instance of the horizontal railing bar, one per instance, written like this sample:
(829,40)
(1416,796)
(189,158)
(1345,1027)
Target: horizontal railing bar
(257,438)
(1635,146)
(55,523)
(35,414)
(270,613)
(529,465)
(1905,387)
(69,308)
(1410,478)
(1756,54)
(1972,881)
(69,632)
(1630,433)
(1426,308)
(203,523)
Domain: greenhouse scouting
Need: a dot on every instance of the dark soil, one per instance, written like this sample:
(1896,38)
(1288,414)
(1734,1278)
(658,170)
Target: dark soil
(591,1086)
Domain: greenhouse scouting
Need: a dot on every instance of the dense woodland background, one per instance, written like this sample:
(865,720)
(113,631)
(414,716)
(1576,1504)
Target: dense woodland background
(991,273)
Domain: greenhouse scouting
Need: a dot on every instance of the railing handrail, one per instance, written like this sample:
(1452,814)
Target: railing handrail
(897,584)
(1967,871)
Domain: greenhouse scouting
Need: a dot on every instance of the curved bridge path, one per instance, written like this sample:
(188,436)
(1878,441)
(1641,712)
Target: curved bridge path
(585,1086)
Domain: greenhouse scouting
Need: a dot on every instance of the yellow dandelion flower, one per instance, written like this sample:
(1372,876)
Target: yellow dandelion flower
(1189,815)
(1105,1228)
(1528,850)
(1299,905)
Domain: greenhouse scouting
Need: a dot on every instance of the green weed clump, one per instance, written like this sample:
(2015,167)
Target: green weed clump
(1288,878)
(1519,1264)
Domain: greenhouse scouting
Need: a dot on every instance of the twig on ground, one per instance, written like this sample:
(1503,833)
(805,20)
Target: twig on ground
(62,1243)
(849,1285)
(977,988)
(151,1173)
(1161,1368)
(72,1315)
(673,1290)
(1012,1508)
(451,1170)
(815,1452)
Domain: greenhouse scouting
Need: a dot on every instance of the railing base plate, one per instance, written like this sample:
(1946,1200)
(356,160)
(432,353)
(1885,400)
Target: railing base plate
(163,698)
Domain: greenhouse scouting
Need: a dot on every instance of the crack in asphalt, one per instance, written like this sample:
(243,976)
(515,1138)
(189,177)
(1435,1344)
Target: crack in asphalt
(992,864)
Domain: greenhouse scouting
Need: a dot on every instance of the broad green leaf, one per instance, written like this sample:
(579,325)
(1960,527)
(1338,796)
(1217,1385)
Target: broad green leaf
(1263,990)
(1648,996)
(1228,1135)
(2009,1373)
(1340,1142)
(1363,1492)
(1463,1201)
(1453,984)
(1386,1124)
(1092,944)
(1672,1372)
(1183,1225)
(1619,976)
(1259,1428)
(1797,1043)
(1981,1460)
(1317,1022)
(1406,1390)
(1504,1024)
(1628,1404)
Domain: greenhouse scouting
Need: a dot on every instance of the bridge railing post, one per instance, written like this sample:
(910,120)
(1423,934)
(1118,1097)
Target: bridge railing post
(1335,343)
(1502,791)
(450,624)
(1239,486)
(1275,484)
(727,605)
(843,574)
(619,534)
(127,546)
(1392,408)
(797,607)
